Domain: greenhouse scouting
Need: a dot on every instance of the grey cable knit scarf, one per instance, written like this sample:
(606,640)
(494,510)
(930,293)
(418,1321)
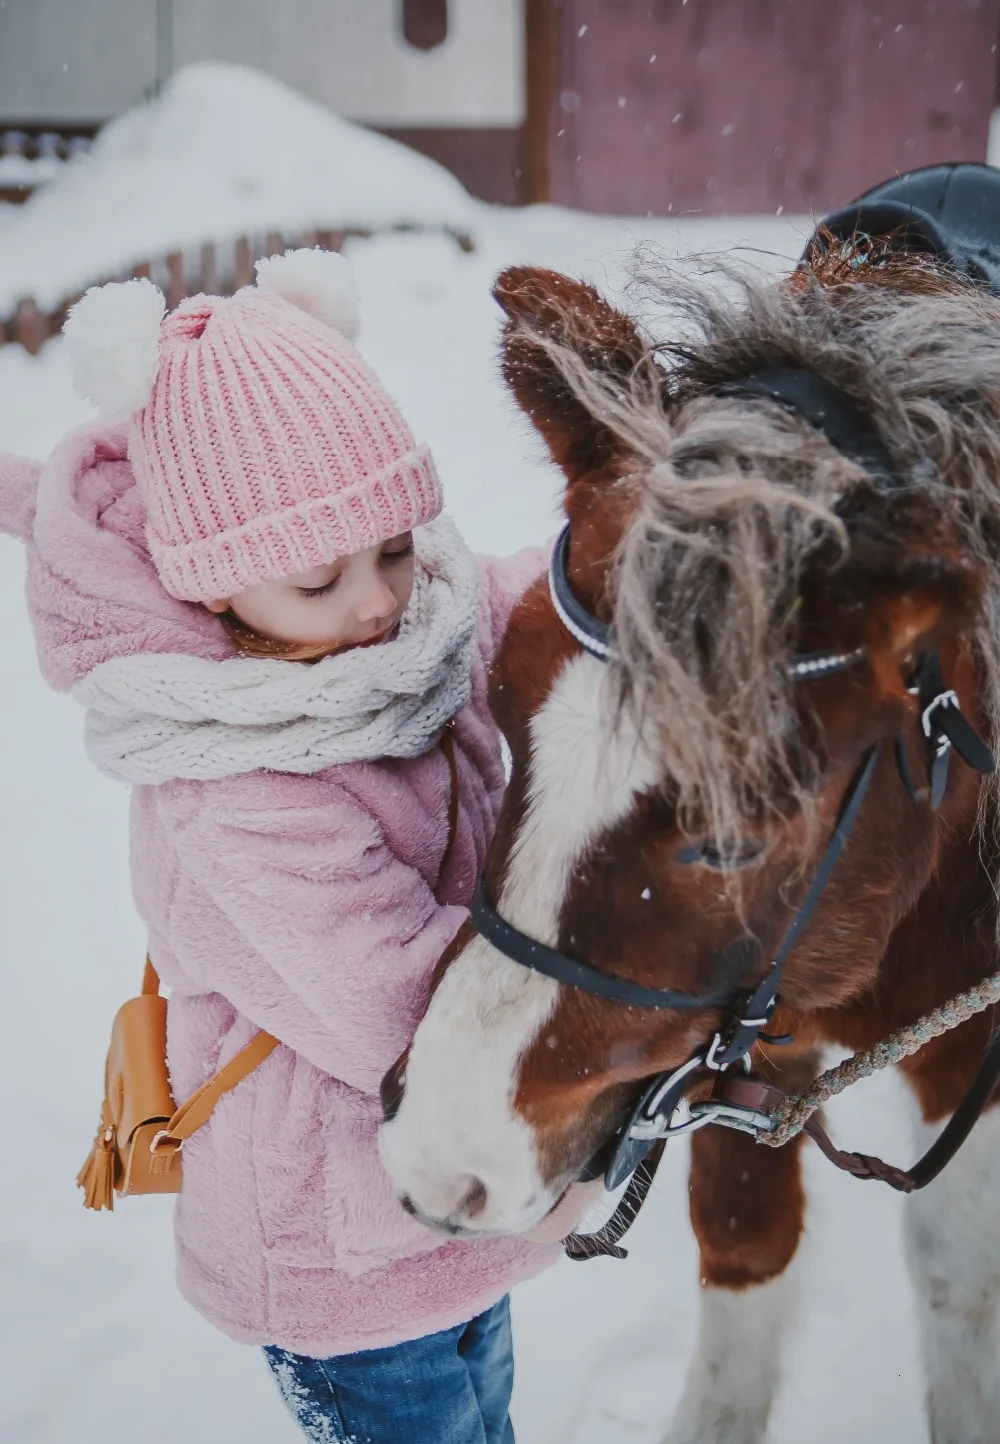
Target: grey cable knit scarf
(158,716)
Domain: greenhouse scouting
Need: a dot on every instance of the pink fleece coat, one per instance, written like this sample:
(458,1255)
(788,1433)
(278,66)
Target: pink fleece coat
(310,906)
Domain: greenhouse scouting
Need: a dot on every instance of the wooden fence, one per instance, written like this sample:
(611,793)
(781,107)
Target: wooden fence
(217,269)
(38,154)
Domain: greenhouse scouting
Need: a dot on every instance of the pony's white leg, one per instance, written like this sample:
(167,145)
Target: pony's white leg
(748,1211)
(953,1250)
(734,1373)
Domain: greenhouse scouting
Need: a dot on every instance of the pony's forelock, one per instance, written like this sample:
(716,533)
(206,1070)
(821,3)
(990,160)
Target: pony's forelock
(737,497)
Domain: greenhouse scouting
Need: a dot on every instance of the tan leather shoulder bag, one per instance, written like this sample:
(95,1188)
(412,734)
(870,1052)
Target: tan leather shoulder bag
(141,1133)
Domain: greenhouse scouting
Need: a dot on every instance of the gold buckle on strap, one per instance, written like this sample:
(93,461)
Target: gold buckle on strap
(164,1135)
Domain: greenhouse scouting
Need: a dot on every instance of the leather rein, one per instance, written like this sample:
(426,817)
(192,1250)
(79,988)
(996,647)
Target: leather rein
(745,1102)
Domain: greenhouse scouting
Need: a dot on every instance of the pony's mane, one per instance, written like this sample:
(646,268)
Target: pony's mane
(738,498)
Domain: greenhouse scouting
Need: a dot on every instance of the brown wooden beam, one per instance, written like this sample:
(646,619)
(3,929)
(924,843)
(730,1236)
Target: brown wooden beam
(543,70)
(486,160)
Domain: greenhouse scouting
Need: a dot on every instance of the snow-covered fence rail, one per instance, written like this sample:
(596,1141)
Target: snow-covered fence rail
(30,158)
(215,268)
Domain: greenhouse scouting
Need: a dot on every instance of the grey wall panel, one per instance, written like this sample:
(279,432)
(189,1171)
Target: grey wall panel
(75,60)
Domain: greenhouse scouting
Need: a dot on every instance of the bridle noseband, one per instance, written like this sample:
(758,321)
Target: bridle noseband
(746,1012)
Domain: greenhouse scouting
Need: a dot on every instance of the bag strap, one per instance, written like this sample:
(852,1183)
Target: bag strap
(448,748)
(198,1109)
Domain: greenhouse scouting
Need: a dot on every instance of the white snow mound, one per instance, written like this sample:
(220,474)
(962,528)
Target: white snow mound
(223,151)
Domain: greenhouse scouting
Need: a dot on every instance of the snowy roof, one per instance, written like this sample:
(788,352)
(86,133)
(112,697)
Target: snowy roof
(222,152)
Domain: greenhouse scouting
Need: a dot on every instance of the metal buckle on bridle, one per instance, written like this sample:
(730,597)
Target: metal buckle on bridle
(733,1115)
(740,1031)
(939,740)
(652,1123)
(720,1043)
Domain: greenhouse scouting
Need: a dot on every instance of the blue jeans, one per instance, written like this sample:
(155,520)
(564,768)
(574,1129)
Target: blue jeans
(448,1388)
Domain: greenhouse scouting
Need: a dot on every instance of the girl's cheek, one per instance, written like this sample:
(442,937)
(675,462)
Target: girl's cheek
(289,618)
(403,588)
(321,622)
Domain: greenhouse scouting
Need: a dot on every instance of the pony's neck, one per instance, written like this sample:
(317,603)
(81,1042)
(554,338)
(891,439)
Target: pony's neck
(946,943)
(951,933)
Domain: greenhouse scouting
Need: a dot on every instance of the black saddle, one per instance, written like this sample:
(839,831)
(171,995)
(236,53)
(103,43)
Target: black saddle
(950,211)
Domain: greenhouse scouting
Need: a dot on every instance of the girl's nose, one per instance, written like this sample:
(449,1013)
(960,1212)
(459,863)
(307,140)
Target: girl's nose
(377,601)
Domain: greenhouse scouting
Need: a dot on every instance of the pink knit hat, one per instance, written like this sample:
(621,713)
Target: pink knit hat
(262,443)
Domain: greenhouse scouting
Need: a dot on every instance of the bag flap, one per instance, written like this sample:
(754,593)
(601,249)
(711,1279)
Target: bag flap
(137,1084)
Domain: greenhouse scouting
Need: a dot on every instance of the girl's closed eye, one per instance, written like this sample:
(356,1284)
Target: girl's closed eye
(319,591)
(398,549)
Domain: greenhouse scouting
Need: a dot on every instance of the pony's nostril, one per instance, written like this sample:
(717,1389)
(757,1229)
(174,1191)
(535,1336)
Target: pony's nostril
(451,1207)
(474,1201)
(391,1091)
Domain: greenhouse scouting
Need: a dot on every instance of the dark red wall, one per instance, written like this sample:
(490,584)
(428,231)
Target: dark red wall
(754,104)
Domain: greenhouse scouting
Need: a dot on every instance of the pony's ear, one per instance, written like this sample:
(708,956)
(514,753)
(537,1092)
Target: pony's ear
(557,329)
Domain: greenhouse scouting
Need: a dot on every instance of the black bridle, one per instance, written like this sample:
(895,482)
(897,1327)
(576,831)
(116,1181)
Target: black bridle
(746,1012)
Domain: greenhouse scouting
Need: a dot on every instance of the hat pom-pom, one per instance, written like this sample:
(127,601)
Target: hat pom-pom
(113,339)
(319,282)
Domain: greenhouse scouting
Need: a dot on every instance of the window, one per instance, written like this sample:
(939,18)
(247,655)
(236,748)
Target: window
(425,23)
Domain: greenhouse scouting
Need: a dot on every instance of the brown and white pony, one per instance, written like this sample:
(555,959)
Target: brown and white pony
(678,797)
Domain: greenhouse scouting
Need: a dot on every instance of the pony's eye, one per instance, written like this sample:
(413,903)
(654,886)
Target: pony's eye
(723,857)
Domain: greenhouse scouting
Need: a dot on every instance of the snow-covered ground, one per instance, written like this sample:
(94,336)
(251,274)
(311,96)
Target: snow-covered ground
(93,1336)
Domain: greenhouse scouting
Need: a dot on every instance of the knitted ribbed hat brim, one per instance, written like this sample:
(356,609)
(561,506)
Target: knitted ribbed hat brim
(309,534)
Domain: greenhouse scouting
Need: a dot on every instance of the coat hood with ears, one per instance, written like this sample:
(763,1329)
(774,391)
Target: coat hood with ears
(93,592)
(18,492)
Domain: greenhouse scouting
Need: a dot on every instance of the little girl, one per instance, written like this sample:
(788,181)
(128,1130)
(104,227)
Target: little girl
(247,582)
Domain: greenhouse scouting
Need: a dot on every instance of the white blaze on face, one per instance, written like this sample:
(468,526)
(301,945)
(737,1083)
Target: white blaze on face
(457,1131)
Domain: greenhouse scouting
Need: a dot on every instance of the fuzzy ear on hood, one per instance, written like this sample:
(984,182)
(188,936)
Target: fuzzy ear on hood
(18,494)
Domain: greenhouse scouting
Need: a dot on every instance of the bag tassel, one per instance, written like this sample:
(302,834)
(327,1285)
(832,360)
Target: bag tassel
(97,1176)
